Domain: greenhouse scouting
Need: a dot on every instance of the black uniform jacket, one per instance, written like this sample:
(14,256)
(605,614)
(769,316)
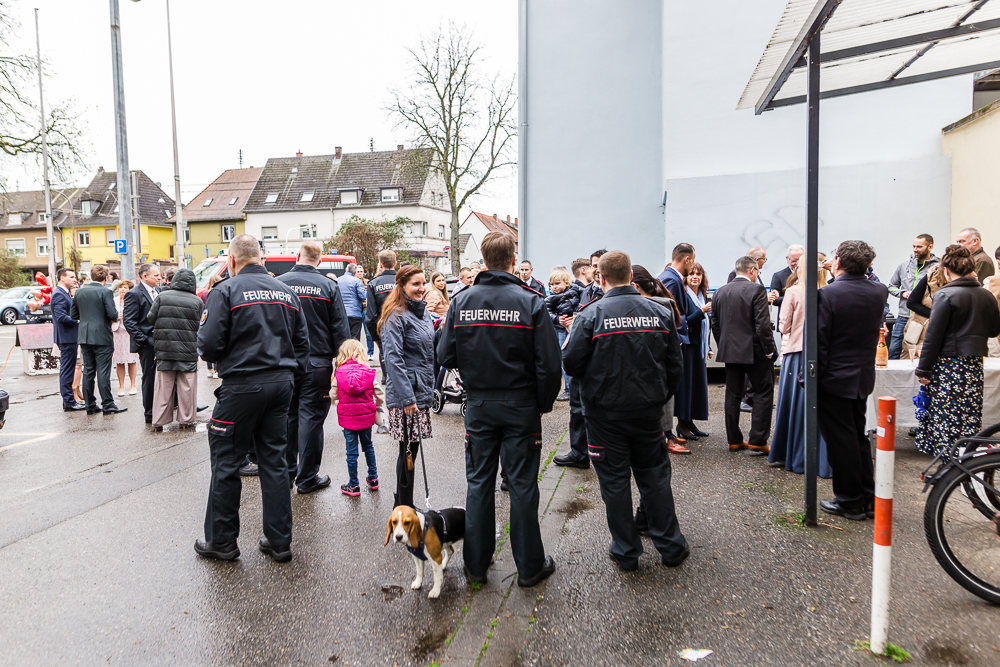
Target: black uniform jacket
(378,291)
(499,336)
(253,328)
(323,307)
(625,349)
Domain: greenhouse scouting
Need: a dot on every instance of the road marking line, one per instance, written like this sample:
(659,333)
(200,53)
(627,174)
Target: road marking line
(32,437)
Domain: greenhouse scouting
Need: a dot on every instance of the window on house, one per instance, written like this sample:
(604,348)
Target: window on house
(228,233)
(116,209)
(232,202)
(14,219)
(15,247)
(41,246)
(187,236)
(269,233)
(349,197)
(390,195)
(307,196)
(86,207)
(208,202)
(309,232)
(167,213)
(440,231)
(419,229)
(111,235)
(111,185)
(272,197)
(83,237)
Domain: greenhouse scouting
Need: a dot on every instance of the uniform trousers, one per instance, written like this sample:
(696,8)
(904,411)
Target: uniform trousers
(577,422)
(509,431)
(621,449)
(842,423)
(147,363)
(67,368)
(307,414)
(175,387)
(760,375)
(97,364)
(249,416)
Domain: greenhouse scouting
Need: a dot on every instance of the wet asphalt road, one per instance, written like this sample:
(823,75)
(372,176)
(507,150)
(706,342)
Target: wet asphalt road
(96,565)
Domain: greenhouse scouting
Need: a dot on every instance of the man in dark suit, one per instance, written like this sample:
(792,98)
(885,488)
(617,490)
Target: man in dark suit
(94,307)
(674,276)
(779,279)
(135,308)
(742,327)
(64,335)
(849,311)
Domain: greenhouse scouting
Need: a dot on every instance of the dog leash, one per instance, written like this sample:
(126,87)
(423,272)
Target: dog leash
(423,463)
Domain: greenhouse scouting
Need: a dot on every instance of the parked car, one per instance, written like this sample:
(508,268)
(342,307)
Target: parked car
(276,264)
(451,283)
(13,304)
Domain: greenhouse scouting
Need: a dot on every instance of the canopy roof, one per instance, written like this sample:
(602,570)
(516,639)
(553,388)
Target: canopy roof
(873,44)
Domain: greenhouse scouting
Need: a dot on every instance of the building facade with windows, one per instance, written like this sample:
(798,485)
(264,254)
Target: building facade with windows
(309,197)
(216,214)
(475,227)
(22,226)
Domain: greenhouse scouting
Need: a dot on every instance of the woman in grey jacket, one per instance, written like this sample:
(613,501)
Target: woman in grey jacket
(175,316)
(407,335)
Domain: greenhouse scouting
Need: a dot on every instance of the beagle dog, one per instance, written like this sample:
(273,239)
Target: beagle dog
(428,536)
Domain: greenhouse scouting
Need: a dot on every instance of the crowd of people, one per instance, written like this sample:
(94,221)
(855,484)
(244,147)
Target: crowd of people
(628,350)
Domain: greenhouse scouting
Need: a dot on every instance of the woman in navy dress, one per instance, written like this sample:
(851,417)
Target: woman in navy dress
(692,397)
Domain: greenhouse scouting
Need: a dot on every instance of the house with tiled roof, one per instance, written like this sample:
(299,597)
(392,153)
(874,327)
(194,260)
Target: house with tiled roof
(22,226)
(477,225)
(216,214)
(93,226)
(310,196)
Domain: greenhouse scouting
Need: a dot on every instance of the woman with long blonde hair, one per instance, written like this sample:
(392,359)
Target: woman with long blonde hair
(406,330)
(437,294)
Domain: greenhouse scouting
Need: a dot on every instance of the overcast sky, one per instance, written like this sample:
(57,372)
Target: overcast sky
(270,78)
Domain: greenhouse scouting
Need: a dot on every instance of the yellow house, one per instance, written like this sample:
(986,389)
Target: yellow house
(94,226)
(215,215)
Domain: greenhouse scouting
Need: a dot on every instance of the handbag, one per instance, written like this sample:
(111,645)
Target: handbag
(913,332)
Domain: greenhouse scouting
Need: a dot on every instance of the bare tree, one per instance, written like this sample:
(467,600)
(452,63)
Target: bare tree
(20,131)
(466,118)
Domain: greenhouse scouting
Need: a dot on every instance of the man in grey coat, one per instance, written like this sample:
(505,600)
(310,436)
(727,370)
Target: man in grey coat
(904,279)
(94,307)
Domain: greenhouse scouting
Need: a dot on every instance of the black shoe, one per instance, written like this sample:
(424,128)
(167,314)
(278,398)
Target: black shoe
(473,579)
(570,460)
(202,408)
(833,507)
(503,484)
(227,551)
(686,435)
(674,562)
(630,567)
(248,470)
(73,407)
(870,509)
(564,396)
(114,409)
(149,420)
(914,430)
(547,569)
(279,554)
(93,411)
(700,433)
(641,521)
(321,482)
(745,407)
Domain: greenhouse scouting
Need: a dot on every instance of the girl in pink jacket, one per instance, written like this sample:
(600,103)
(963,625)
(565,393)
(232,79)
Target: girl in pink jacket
(360,400)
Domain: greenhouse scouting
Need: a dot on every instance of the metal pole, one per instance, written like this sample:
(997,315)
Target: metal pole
(178,206)
(812,249)
(885,461)
(121,144)
(45,163)
(522,135)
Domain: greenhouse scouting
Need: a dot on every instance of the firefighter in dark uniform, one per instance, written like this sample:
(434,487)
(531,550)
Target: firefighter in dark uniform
(625,349)
(254,331)
(379,289)
(577,456)
(326,318)
(499,336)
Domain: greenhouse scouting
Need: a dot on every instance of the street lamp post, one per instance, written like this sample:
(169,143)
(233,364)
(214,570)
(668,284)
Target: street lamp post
(45,163)
(178,205)
(121,144)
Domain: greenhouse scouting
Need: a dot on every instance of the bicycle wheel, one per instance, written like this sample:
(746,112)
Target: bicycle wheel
(960,520)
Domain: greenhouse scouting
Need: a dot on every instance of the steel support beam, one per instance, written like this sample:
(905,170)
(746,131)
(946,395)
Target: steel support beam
(811,347)
(909,40)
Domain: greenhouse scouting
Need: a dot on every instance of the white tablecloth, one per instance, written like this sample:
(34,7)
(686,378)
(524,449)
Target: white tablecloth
(899,381)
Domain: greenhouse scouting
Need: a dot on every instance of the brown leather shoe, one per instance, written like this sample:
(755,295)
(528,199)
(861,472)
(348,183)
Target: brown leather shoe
(679,440)
(741,446)
(675,448)
(763,449)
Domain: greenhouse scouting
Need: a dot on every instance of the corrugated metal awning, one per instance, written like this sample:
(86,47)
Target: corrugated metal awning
(873,44)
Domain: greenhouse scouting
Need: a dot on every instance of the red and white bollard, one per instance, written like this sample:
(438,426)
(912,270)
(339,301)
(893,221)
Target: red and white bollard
(885,459)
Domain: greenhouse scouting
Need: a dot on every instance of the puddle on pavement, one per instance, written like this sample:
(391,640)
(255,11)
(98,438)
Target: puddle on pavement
(392,592)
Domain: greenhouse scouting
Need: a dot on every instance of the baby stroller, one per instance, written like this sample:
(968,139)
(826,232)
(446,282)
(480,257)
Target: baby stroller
(448,389)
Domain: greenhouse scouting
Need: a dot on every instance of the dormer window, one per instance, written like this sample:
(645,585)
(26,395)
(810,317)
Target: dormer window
(350,196)
(208,202)
(14,219)
(87,207)
(272,197)
(390,195)
(307,196)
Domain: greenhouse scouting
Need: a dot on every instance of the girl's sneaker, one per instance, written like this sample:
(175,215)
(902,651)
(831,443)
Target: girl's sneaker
(372,483)
(349,490)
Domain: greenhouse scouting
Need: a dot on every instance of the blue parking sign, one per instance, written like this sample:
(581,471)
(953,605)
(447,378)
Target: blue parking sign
(121,246)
